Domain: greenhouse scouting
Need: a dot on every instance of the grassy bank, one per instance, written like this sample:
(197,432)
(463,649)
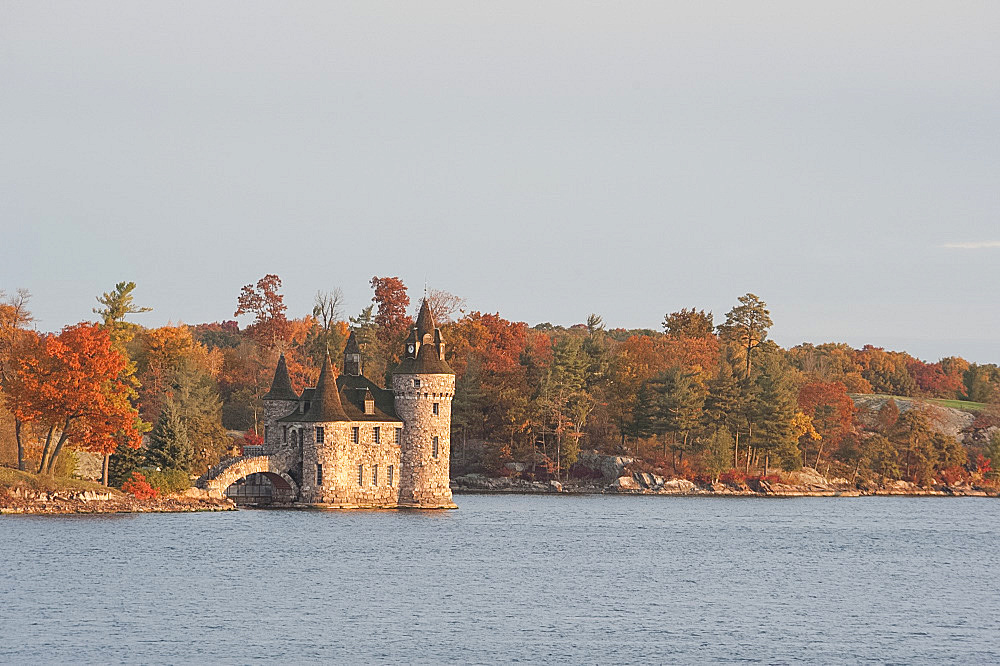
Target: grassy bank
(12,478)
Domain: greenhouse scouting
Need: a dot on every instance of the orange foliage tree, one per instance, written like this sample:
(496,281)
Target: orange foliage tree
(267,305)
(831,411)
(71,386)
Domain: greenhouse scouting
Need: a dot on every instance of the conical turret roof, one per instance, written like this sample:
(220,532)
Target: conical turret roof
(281,385)
(352,345)
(425,320)
(326,405)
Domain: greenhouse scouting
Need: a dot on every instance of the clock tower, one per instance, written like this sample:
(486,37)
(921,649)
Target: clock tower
(423,386)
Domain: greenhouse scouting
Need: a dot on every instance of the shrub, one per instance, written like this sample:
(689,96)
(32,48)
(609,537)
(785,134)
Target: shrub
(168,481)
(733,476)
(139,488)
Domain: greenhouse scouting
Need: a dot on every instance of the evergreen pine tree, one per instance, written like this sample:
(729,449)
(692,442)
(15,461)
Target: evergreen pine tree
(169,447)
(123,462)
(774,408)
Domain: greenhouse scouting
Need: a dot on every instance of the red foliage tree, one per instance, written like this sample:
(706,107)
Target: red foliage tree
(71,386)
(267,305)
(392,301)
(831,410)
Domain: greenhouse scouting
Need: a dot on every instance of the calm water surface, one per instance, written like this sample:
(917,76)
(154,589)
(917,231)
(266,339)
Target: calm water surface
(513,578)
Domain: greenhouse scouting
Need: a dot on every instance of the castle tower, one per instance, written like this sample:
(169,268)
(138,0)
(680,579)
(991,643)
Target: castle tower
(423,386)
(279,401)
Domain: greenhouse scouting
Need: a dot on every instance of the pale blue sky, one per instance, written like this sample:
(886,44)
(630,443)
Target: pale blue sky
(543,160)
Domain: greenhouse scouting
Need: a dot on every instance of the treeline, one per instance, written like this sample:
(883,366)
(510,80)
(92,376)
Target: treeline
(695,398)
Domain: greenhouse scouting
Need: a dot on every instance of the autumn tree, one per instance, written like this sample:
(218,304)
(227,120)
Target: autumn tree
(392,302)
(391,320)
(14,338)
(689,323)
(267,305)
(71,385)
(747,324)
(831,411)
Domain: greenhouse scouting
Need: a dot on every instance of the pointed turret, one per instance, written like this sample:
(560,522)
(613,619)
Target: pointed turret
(425,321)
(326,405)
(281,385)
(423,351)
(352,357)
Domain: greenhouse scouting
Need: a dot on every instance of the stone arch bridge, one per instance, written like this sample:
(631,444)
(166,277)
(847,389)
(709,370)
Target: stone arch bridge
(275,466)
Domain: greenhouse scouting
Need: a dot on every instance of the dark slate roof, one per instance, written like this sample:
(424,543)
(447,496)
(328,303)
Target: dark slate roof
(351,391)
(281,385)
(425,320)
(326,405)
(352,345)
(426,362)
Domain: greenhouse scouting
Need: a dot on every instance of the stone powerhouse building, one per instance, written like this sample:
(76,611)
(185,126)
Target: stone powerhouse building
(348,443)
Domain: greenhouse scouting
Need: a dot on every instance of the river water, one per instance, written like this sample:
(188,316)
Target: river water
(556,579)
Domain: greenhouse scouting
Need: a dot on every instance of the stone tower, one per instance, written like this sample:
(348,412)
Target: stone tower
(279,401)
(423,386)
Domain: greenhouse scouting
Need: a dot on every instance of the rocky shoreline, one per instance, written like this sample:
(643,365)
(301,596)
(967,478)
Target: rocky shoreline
(478,484)
(37,502)
(600,474)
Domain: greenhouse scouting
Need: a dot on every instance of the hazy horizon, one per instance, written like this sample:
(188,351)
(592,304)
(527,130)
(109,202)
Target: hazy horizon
(541,160)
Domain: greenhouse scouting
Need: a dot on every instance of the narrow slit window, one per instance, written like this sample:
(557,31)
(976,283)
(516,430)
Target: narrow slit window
(399,435)
(355,435)
(374,475)
(267,433)
(390,475)
(434,447)
(319,475)
(435,409)
(377,434)
(361,475)
(284,433)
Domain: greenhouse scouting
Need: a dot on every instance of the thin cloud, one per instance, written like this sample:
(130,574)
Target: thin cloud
(976,245)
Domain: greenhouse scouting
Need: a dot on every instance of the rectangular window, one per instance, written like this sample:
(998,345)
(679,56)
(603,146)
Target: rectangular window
(267,433)
(390,475)
(319,434)
(361,475)
(434,451)
(376,432)
(435,409)
(284,433)
(355,435)
(319,475)
(374,475)
(399,435)
(416,383)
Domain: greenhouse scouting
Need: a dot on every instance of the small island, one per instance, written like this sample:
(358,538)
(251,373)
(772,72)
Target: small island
(112,416)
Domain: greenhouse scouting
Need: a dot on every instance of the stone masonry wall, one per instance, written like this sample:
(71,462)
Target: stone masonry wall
(274,410)
(424,479)
(340,458)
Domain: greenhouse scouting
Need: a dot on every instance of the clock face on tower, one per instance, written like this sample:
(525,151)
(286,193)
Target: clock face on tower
(409,349)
